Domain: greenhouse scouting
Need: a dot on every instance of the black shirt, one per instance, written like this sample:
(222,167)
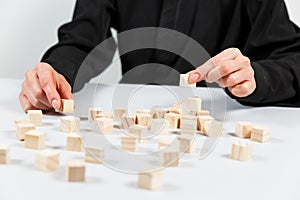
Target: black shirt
(261,29)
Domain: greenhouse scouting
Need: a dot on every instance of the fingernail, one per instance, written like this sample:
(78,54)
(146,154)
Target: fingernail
(194,77)
(55,104)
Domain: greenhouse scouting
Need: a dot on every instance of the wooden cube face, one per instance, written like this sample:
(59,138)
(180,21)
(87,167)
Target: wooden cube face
(187,144)
(35,140)
(159,126)
(164,143)
(118,113)
(4,154)
(69,124)
(138,132)
(94,154)
(184,81)
(201,122)
(213,128)
(241,151)
(75,171)
(169,158)
(104,125)
(127,121)
(35,117)
(129,143)
(243,129)
(67,106)
(93,112)
(260,134)
(22,128)
(143,119)
(191,104)
(47,160)
(188,125)
(158,113)
(173,120)
(150,180)
(74,143)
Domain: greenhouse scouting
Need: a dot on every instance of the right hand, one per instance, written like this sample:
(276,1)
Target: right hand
(43,89)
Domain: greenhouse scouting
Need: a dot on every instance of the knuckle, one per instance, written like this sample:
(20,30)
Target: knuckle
(215,61)
(38,93)
(224,69)
(35,103)
(236,51)
(232,80)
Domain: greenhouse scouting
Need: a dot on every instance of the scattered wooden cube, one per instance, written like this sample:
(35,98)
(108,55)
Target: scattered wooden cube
(47,160)
(137,131)
(157,113)
(166,143)
(176,108)
(74,142)
(75,171)
(187,143)
(201,121)
(169,157)
(260,134)
(191,105)
(67,106)
(188,125)
(243,129)
(144,110)
(241,151)
(118,113)
(150,180)
(93,112)
(22,128)
(4,154)
(127,121)
(104,115)
(203,112)
(35,117)
(94,154)
(104,125)
(143,119)
(129,143)
(159,126)
(173,120)
(21,121)
(35,140)
(184,81)
(213,128)
(69,124)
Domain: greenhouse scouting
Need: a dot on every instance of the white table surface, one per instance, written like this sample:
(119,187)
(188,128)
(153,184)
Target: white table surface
(271,173)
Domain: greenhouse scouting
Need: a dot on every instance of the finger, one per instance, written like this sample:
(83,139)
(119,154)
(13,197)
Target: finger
(227,54)
(234,78)
(25,104)
(64,88)
(33,101)
(226,68)
(243,89)
(35,88)
(200,73)
(48,84)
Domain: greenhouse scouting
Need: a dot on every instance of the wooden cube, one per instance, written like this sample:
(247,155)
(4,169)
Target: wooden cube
(150,180)
(143,119)
(47,160)
(187,143)
(184,81)
(74,142)
(67,106)
(127,121)
(22,128)
(104,125)
(173,120)
(94,154)
(137,131)
(4,149)
(201,121)
(22,121)
(260,134)
(213,128)
(164,143)
(188,125)
(129,143)
(103,115)
(169,158)
(176,108)
(93,112)
(203,112)
(158,112)
(241,151)
(35,117)
(159,126)
(243,129)
(191,104)
(75,171)
(35,140)
(69,124)
(144,111)
(118,113)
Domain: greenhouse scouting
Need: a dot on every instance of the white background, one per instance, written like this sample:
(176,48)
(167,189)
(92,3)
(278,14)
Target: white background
(29,28)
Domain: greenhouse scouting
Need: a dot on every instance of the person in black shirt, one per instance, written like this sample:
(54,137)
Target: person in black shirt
(256,45)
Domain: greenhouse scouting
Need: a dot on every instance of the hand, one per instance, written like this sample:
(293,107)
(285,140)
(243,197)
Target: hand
(230,69)
(43,89)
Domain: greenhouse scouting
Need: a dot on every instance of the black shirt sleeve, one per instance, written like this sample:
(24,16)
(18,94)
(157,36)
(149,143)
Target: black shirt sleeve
(90,26)
(273,46)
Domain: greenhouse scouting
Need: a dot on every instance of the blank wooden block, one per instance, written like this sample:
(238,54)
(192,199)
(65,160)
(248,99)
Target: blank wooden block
(201,121)
(67,106)
(186,143)
(184,81)
(137,131)
(173,120)
(157,113)
(129,143)
(169,158)
(75,171)
(191,105)
(143,119)
(176,108)
(213,128)
(69,124)
(35,140)
(144,110)
(47,160)
(94,154)
(188,125)
(93,112)
(243,129)
(127,121)
(104,125)
(150,180)
(104,115)
(22,128)
(159,126)
(260,134)
(35,117)
(118,113)
(164,143)
(203,112)
(241,151)
(74,142)
(4,151)
(22,121)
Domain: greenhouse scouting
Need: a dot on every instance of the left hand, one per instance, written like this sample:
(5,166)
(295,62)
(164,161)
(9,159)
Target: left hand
(230,69)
